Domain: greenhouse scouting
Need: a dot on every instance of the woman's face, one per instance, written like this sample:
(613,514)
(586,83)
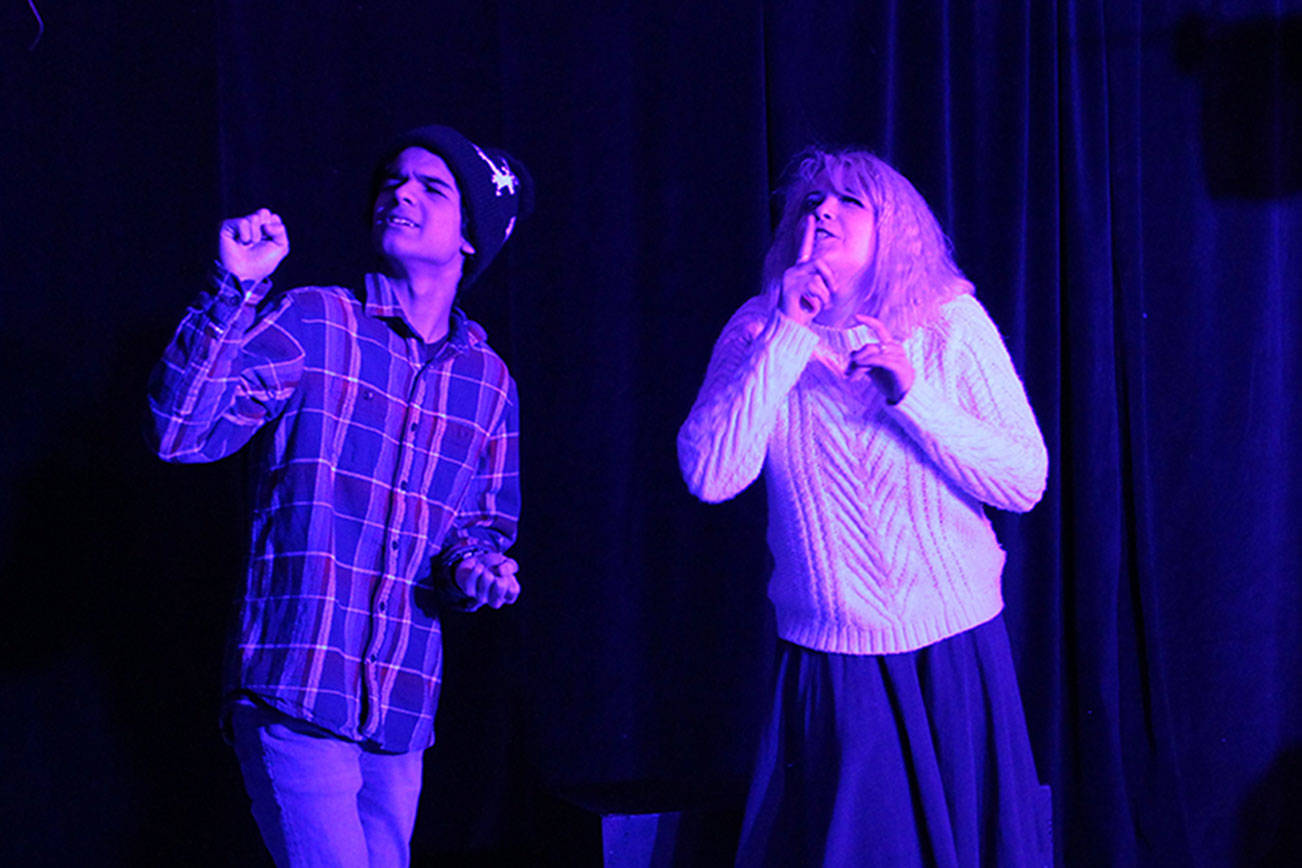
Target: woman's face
(844,239)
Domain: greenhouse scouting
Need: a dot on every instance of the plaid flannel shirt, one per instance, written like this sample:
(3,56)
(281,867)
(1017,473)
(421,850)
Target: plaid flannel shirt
(378,462)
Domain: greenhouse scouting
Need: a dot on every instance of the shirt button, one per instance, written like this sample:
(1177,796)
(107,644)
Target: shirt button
(383,606)
(393,544)
(403,484)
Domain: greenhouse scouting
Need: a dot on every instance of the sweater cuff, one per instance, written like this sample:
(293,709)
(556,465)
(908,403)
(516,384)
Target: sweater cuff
(789,341)
(922,410)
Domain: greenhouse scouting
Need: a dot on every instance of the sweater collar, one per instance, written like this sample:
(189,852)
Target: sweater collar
(843,340)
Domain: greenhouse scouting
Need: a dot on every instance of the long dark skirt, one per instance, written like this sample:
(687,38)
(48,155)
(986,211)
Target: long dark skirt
(898,760)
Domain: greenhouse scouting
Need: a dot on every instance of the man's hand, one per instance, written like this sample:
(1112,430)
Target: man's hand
(807,285)
(884,361)
(251,247)
(488,578)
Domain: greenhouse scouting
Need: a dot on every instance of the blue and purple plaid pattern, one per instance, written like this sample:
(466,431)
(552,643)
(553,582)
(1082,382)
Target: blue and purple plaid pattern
(377,460)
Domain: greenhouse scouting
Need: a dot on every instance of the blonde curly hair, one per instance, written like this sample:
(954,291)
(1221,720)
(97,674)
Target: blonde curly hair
(912,272)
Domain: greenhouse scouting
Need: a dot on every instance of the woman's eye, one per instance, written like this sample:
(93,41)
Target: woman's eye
(851,200)
(811,201)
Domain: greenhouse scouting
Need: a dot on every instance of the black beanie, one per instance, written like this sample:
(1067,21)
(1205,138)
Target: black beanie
(496,189)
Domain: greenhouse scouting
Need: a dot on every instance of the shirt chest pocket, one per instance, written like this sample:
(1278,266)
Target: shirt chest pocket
(455,455)
(364,442)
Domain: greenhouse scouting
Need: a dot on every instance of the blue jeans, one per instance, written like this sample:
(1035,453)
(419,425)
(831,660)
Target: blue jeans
(320,800)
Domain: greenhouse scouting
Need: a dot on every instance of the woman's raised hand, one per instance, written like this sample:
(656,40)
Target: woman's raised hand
(884,361)
(807,285)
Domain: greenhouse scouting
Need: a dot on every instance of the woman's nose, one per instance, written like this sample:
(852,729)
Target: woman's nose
(826,208)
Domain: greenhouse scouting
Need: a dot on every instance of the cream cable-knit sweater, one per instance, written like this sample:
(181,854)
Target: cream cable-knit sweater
(880,541)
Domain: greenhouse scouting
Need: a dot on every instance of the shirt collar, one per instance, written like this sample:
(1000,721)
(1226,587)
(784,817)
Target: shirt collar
(381,302)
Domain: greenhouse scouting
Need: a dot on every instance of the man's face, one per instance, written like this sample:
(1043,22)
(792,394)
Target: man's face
(416,219)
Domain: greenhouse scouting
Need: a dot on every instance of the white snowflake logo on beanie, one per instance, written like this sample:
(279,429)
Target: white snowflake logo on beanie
(503,179)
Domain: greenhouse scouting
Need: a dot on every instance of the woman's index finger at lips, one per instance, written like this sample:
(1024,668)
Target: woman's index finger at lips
(807,242)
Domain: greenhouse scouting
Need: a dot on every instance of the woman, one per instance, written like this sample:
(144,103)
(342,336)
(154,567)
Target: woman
(876,394)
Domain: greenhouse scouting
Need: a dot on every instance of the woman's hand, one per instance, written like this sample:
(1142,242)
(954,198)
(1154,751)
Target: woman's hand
(806,286)
(884,361)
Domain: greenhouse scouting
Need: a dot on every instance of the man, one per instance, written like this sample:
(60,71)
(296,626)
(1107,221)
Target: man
(383,432)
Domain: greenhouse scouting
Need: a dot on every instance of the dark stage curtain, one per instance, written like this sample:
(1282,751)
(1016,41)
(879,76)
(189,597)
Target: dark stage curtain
(1121,180)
